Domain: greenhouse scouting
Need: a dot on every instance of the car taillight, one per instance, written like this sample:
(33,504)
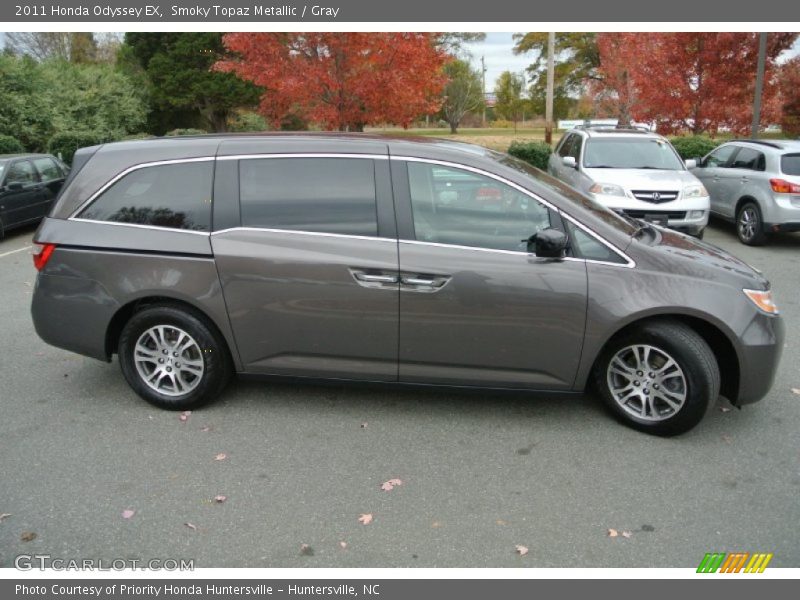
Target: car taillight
(781,186)
(41,254)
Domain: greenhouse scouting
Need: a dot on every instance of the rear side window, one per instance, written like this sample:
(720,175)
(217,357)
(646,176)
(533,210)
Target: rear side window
(751,159)
(48,169)
(325,195)
(790,164)
(176,195)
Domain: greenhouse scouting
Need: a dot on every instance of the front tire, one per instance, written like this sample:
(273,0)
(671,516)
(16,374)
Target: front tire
(749,225)
(661,378)
(173,358)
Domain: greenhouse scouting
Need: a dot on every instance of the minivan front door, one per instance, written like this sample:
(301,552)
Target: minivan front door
(310,279)
(475,307)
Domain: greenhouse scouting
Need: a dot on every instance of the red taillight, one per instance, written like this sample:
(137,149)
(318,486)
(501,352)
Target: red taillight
(41,254)
(781,186)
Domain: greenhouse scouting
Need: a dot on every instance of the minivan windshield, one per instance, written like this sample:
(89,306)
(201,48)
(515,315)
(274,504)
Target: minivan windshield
(603,213)
(790,164)
(631,153)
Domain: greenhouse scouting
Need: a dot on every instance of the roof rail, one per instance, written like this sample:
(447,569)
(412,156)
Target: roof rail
(760,142)
(631,129)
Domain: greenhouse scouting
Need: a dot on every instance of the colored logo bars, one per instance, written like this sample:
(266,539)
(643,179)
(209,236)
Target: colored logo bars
(734,562)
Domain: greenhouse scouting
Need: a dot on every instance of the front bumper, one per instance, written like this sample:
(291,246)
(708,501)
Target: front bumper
(760,349)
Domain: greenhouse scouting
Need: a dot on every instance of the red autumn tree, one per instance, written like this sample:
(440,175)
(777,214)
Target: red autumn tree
(699,82)
(342,81)
(790,96)
(613,84)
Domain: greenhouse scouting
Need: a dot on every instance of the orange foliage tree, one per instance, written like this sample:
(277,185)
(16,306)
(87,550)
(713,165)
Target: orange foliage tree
(790,88)
(695,81)
(343,81)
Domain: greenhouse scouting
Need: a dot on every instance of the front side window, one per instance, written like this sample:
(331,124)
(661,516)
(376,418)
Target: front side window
(720,156)
(325,195)
(21,172)
(176,196)
(590,248)
(566,145)
(455,206)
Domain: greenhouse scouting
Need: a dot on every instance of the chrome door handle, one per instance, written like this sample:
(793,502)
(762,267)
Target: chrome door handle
(369,278)
(435,282)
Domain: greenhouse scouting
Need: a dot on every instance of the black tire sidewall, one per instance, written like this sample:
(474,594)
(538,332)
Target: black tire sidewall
(216,361)
(693,356)
(759,236)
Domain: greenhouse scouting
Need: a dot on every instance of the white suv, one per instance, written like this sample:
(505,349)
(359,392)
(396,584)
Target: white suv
(634,172)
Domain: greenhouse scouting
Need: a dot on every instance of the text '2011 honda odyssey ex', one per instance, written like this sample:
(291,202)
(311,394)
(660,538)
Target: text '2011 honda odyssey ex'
(389,260)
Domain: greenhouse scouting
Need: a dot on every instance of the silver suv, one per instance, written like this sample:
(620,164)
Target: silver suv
(635,172)
(755,183)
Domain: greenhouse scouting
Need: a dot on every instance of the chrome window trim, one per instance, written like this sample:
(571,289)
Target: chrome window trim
(303,232)
(139,226)
(131,169)
(303,155)
(629,262)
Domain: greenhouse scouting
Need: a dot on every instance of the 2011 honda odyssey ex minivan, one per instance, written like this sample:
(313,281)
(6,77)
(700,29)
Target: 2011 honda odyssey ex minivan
(389,260)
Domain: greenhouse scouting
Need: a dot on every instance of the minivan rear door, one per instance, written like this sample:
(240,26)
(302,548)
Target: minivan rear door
(306,249)
(475,307)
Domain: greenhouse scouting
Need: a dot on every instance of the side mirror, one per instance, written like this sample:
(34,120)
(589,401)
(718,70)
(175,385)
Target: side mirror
(569,161)
(691,163)
(14,186)
(548,243)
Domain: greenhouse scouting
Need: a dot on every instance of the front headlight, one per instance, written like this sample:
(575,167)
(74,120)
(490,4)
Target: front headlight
(695,191)
(763,300)
(607,189)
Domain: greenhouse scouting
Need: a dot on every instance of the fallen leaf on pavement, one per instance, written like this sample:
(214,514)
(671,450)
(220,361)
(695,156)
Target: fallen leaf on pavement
(612,533)
(27,536)
(4,516)
(436,524)
(184,416)
(364,425)
(726,438)
(128,513)
(796,391)
(388,486)
(343,545)
(365,519)
(205,428)
(306,550)
(220,498)
(724,409)
(221,456)
(521,550)
(501,522)
(626,534)
(191,526)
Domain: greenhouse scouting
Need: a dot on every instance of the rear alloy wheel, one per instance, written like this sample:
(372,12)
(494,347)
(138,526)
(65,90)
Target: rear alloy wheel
(172,358)
(661,378)
(749,226)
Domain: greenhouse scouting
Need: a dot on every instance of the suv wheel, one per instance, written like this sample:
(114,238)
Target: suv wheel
(172,358)
(661,378)
(749,226)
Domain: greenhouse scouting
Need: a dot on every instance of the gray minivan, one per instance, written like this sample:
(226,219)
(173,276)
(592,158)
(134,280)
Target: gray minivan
(398,261)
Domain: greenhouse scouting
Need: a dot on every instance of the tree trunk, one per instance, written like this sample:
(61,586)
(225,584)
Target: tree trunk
(453,128)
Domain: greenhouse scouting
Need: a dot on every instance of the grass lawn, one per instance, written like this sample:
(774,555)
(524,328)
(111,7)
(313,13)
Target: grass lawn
(494,138)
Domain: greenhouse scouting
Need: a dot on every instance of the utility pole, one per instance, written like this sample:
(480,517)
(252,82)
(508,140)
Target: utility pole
(483,86)
(762,59)
(548,110)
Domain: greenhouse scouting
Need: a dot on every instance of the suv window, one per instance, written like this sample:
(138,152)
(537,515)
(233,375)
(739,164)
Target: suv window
(748,158)
(790,164)
(575,148)
(21,172)
(326,195)
(175,195)
(566,145)
(454,206)
(48,169)
(720,156)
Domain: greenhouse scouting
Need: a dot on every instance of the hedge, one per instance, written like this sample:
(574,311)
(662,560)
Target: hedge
(65,144)
(10,145)
(535,153)
(693,146)
(187,131)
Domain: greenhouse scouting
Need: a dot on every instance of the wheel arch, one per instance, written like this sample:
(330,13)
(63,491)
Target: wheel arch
(720,343)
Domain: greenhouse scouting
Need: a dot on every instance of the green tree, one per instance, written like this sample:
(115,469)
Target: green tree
(25,112)
(181,81)
(462,94)
(510,103)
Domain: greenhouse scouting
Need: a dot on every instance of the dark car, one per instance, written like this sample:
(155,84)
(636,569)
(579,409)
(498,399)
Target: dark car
(28,185)
(389,260)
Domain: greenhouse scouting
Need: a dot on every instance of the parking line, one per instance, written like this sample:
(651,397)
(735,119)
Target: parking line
(15,251)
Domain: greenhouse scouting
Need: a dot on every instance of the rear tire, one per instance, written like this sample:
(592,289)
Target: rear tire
(749,225)
(173,358)
(661,378)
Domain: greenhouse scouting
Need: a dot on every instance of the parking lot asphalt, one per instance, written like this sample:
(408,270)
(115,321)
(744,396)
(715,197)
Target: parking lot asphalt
(481,473)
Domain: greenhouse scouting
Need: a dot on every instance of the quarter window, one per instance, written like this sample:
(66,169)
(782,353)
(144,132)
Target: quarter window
(454,206)
(177,196)
(325,195)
